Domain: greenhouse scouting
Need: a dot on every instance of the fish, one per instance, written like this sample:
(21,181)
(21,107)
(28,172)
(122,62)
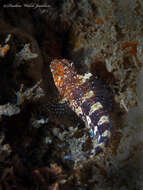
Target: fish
(87,97)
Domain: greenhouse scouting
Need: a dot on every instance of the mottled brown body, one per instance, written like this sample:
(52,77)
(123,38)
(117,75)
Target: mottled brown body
(83,95)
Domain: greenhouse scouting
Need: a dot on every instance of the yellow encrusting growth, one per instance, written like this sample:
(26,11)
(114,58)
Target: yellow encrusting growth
(4,50)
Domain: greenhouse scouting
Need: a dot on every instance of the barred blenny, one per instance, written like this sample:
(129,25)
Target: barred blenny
(84,95)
